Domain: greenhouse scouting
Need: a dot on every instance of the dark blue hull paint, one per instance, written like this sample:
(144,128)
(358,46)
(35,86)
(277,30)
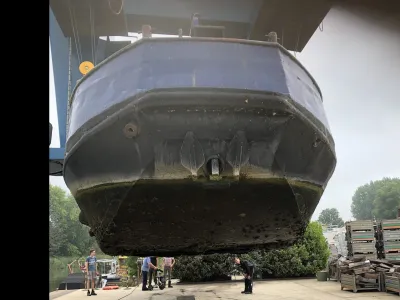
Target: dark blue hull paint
(186,63)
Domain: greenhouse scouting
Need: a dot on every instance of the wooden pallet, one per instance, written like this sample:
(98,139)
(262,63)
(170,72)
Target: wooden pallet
(334,272)
(361,248)
(392,256)
(392,284)
(361,225)
(391,235)
(362,236)
(349,282)
(391,247)
(390,224)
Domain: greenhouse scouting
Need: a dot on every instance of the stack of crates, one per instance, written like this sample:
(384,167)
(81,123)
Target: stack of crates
(360,237)
(391,238)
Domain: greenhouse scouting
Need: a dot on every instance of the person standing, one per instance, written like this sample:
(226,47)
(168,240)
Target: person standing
(146,266)
(248,270)
(91,271)
(168,264)
(153,272)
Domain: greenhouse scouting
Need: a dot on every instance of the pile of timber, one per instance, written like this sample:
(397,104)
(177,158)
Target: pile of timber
(359,274)
(390,274)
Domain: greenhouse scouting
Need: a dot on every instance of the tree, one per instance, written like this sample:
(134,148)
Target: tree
(131,263)
(378,199)
(363,202)
(68,237)
(387,199)
(330,216)
(57,236)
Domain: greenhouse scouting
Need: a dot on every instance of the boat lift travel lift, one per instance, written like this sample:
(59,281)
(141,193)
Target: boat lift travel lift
(77,25)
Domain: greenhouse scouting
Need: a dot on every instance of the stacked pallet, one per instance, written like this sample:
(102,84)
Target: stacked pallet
(360,237)
(392,282)
(391,238)
(390,274)
(389,271)
(359,274)
(333,269)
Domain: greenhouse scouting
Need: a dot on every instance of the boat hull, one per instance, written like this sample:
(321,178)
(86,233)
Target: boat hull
(172,170)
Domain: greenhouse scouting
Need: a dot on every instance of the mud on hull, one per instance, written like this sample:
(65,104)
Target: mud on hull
(149,183)
(185,217)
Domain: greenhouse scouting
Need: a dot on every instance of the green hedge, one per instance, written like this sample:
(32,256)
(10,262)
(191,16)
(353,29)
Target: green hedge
(302,259)
(204,267)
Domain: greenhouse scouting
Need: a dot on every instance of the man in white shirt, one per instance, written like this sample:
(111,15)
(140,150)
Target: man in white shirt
(168,264)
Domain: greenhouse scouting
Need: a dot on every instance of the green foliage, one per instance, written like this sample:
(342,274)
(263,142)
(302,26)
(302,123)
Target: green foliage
(203,267)
(330,216)
(132,265)
(68,237)
(302,259)
(378,199)
(387,199)
(60,263)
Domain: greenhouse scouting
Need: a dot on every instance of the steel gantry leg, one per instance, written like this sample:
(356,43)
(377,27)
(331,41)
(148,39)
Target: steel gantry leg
(60,59)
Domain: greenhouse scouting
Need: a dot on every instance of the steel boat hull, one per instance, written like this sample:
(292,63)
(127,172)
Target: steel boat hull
(187,146)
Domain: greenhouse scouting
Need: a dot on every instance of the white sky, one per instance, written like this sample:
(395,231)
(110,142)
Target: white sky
(357,66)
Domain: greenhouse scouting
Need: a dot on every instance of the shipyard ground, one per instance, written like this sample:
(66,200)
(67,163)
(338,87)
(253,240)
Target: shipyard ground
(296,289)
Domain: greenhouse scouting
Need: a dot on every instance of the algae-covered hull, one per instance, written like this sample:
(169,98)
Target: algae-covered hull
(185,146)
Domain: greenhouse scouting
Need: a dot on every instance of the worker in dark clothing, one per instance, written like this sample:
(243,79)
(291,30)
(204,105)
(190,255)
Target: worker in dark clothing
(153,272)
(248,270)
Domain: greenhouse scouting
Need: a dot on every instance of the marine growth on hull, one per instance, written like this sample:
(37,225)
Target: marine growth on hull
(175,151)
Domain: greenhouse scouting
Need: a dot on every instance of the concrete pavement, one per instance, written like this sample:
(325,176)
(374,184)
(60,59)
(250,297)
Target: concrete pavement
(293,289)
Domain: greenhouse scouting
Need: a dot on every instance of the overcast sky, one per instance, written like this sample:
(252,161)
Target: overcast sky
(356,63)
